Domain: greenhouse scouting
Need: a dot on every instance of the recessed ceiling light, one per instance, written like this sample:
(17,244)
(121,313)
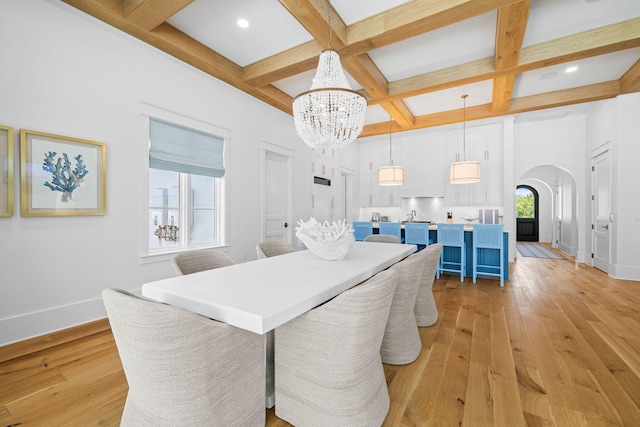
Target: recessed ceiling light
(243,23)
(571,69)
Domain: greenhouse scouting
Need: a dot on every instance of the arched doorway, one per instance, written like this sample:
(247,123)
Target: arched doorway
(527,219)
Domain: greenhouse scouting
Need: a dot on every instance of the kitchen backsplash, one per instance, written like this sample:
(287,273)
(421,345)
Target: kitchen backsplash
(427,209)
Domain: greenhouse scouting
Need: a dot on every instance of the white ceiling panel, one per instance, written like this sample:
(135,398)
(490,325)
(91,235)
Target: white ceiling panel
(445,47)
(552,19)
(591,70)
(451,99)
(272,29)
(352,11)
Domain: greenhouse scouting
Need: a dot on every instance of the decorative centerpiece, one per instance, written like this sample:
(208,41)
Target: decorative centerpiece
(330,241)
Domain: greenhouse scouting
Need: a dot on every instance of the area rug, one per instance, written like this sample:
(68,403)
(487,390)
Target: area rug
(535,250)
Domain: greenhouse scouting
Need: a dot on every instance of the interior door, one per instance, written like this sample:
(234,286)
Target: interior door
(601,172)
(276,189)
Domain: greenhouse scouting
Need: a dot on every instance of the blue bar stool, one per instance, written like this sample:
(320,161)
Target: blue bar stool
(392,228)
(416,234)
(452,236)
(362,229)
(488,236)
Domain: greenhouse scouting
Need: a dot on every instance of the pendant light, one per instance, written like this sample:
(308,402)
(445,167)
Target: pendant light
(466,171)
(330,114)
(390,175)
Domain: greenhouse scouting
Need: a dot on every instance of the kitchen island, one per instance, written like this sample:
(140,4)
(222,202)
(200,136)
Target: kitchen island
(485,256)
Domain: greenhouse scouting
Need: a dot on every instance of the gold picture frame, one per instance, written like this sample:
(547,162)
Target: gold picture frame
(61,176)
(6,171)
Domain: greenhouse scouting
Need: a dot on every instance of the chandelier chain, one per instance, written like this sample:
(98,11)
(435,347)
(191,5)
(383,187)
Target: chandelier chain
(329,24)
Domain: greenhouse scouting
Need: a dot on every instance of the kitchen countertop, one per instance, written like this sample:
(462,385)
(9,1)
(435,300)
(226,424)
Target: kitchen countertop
(432,225)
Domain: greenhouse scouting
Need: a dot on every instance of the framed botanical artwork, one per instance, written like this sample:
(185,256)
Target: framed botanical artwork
(61,176)
(6,171)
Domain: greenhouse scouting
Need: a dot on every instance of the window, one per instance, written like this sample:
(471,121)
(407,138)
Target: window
(186,187)
(525,203)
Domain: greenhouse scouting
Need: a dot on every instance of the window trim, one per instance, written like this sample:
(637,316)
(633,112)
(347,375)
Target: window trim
(147,111)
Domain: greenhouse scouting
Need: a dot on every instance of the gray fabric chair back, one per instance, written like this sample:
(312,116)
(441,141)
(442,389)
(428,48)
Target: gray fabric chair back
(384,238)
(425,310)
(183,368)
(328,368)
(200,260)
(269,249)
(401,343)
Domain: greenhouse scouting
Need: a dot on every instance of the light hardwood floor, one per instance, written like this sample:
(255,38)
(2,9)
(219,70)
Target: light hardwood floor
(559,345)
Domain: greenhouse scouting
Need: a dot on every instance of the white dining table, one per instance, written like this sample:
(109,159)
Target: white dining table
(261,295)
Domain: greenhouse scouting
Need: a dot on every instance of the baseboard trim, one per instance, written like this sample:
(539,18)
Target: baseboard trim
(11,351)
(34,324)
(624,272)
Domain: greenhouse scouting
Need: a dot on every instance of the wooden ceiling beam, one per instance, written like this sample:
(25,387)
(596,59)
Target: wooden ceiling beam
(630,81)
(510,30)
(608,39)
(400,113)
(313,16)
(445,78)
(148,14)
(589,93)
(599,41)
(558,98)
(405,21)
(412,19)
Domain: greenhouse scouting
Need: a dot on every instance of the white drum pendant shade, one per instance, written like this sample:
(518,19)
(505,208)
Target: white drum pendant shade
(330,114)
(390,175)
(464,172)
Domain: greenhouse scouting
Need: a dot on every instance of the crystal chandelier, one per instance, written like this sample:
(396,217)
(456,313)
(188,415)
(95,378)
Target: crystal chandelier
(390,175)
(466,171)
(330,114)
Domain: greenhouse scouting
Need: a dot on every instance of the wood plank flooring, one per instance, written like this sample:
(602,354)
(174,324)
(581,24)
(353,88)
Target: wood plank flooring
(559,345)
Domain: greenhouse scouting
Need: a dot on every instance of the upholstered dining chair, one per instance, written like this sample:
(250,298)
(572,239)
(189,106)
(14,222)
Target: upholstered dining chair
(183,368)
(401,342)
(200,260)
(269,249)
(425,309)
(384,238)
(327,361)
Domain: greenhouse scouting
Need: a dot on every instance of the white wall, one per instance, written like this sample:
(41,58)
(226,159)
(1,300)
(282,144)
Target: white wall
(615,126)
(559,144)
(68,74)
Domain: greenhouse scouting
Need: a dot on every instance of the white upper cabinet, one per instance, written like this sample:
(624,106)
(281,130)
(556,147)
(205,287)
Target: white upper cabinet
(424,170)
(374,155)
(487,144)
(484,145)
(323,163)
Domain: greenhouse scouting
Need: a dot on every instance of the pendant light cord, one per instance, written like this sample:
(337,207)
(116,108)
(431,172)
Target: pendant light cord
(390,156)
(464,128)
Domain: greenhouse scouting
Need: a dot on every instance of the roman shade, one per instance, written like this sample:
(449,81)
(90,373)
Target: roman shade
(181,149)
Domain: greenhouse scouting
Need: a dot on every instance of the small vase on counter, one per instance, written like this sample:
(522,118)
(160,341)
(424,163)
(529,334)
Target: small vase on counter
(449,217)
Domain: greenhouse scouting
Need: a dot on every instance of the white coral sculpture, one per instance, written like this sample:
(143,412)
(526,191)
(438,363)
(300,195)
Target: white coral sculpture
(325,232)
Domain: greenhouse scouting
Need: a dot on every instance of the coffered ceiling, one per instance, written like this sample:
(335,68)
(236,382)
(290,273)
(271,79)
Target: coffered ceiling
(412,60)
